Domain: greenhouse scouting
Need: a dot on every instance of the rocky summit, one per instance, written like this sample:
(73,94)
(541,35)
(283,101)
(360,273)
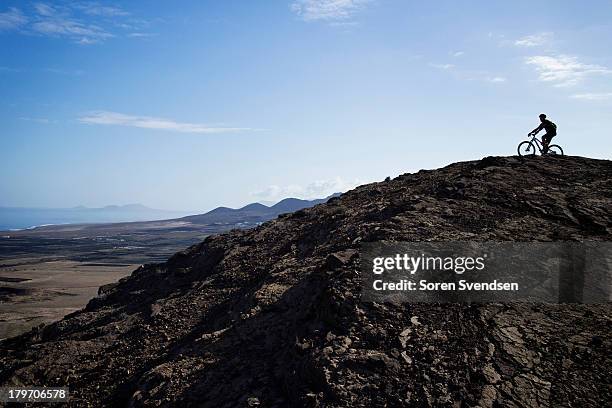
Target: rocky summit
(272,316)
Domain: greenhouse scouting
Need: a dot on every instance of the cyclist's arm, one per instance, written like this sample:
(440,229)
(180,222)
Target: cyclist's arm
(536,130)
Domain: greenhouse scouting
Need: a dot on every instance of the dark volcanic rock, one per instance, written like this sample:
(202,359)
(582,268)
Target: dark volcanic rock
(271,316)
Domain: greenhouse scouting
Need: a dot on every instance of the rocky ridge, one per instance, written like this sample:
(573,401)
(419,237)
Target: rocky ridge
(271,316)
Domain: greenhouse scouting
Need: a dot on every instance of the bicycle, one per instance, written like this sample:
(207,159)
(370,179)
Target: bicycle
(528,148)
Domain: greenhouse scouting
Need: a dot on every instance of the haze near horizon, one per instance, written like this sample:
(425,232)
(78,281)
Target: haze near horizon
(227,103)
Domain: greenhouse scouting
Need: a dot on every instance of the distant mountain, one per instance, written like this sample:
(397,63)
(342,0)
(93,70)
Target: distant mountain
(294,204)
(253,213)
(20,218)
(133,217)
(128,207)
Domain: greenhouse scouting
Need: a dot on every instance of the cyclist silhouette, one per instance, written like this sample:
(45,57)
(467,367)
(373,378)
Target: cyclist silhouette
(551,131)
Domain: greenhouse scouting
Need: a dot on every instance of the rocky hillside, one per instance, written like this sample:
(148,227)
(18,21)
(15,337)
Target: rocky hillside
(271,316)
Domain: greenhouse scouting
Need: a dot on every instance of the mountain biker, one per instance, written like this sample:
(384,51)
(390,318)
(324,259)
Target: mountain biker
(551,131)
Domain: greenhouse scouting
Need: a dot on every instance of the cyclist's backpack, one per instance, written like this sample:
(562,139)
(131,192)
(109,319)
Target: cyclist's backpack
(553,125)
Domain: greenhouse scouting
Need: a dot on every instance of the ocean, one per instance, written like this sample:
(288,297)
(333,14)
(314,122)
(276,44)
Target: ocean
(14,218)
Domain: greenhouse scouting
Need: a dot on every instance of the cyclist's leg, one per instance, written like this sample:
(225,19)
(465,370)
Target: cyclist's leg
(545,142)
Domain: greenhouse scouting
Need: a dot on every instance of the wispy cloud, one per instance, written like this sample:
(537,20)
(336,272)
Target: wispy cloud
(469,75)
(327,10)
(44,121)
(9,69)
(60,71)
(148,122)
(60,22)
(457,53)
(80,33)
(49,70)
(316,189)
(484,76)
(12,19)
(442,66)
(44,9)
(564,70)
(495,79)
(534,40)
(97,9)
(79,21)
(141,35)
(594,96)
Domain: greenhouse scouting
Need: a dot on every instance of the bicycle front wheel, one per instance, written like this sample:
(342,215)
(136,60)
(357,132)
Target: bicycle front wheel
(526,148)
(555,149)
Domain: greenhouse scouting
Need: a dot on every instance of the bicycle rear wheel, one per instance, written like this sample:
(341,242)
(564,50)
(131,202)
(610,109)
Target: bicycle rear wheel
(555,150)
(526,148)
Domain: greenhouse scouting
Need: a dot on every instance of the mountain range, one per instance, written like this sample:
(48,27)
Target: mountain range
(253,213)
(48,219)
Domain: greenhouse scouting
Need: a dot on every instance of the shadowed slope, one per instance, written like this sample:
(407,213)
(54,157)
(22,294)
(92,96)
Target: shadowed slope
(272,315)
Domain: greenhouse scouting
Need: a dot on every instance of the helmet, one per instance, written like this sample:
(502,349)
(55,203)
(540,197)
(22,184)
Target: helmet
(543,115)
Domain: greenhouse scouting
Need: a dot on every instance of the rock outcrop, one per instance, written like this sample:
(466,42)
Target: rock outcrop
(272,317)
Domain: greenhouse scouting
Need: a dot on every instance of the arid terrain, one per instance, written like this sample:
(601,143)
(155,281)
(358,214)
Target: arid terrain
(272,316)
(51,271)
(35,291)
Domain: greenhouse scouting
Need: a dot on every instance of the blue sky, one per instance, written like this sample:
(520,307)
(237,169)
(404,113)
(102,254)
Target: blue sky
(194,104)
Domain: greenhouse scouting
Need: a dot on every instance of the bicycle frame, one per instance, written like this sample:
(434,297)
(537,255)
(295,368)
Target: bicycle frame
(538,143)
